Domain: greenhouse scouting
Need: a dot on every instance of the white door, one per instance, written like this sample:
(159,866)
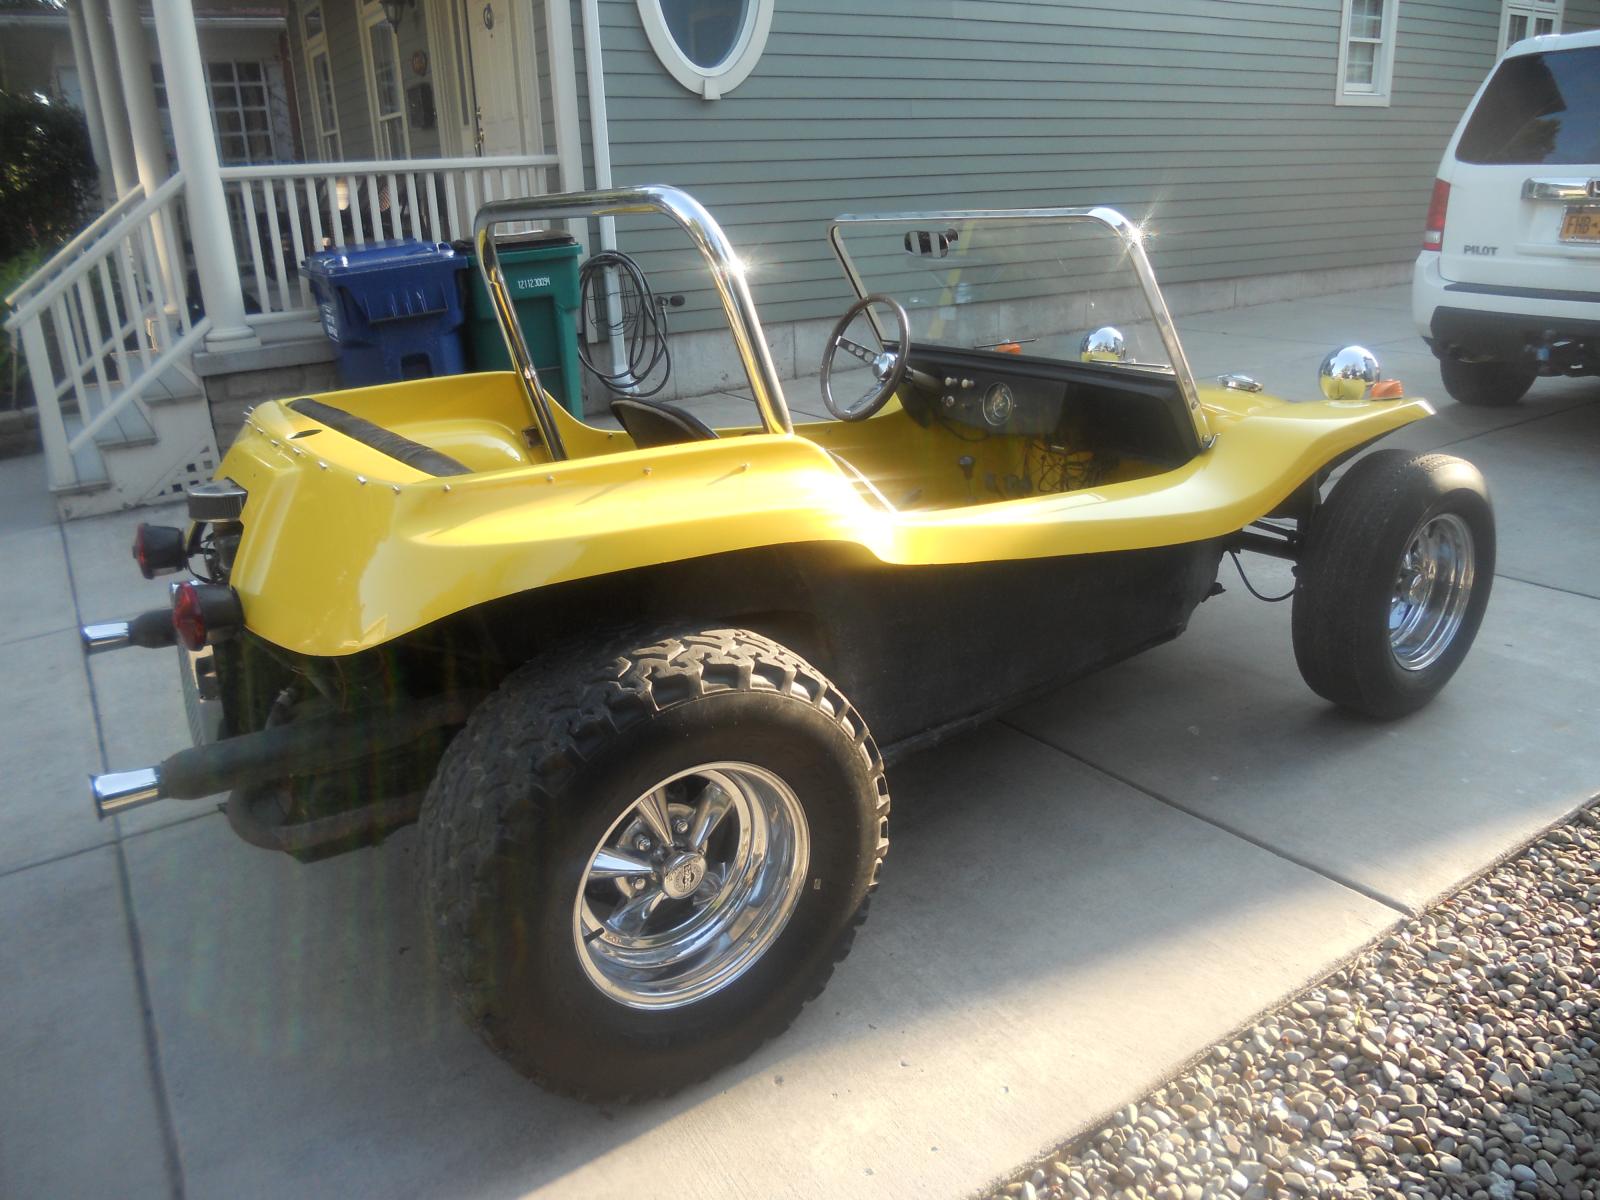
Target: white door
(496,76)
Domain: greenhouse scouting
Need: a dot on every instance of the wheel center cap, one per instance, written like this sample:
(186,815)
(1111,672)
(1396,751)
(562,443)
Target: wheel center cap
(682,874)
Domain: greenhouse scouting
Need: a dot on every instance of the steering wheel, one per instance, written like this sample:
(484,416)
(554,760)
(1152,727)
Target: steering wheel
(888,363)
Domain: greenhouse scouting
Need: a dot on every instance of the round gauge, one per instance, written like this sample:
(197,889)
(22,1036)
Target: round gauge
(998,404)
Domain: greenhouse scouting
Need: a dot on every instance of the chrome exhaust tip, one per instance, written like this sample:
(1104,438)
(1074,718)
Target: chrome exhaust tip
(106,635)
(118,791)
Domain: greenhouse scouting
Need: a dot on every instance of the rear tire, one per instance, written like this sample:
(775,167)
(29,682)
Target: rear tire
(1485,384)
(575,766)
(1394,582)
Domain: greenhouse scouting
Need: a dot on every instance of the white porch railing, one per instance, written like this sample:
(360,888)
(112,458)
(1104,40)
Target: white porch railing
(107,318)
(283,212)
(63,257)
(97,331)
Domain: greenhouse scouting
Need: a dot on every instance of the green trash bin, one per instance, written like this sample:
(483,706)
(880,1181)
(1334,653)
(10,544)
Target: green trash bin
(541,273)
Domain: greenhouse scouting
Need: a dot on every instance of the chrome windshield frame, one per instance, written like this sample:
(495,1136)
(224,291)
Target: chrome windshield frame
(1125,230)
(727,275)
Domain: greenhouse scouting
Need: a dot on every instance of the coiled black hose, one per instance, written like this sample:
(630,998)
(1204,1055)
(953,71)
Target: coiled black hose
(642,325)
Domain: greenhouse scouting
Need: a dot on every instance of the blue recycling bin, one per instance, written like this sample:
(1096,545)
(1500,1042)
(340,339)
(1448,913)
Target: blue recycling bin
(394,309)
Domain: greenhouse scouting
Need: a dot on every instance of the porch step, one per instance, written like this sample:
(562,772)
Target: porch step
(140,457)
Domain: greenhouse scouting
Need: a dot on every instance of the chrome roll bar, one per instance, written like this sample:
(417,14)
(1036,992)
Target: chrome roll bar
(727,275)
(1126,231)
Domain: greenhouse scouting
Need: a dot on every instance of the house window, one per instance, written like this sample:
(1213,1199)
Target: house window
(324,106)
(1528,18)
(243,115)
(1366,52)
(241,105)
(391,137)
(709,46)
(327,108)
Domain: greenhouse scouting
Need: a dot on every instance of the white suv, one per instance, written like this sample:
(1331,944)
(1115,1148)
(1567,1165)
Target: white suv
(1507,286)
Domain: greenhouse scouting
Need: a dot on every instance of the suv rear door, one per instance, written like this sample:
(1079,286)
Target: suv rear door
(1524,170)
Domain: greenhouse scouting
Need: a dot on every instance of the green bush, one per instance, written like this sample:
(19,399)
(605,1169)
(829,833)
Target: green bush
(46,174)
(47,178)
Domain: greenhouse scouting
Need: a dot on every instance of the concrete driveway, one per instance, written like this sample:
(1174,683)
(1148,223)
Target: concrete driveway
(1079,897)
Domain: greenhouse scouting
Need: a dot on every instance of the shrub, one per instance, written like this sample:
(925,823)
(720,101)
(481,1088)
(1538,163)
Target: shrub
(46,174)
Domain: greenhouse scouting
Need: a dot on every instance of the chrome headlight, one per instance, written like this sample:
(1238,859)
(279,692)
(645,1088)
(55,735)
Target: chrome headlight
(1345,375)
(1103,345)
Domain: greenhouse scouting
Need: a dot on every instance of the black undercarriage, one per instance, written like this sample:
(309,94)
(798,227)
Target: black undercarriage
(921,651)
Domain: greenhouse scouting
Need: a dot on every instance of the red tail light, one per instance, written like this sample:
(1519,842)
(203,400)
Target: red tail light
(187,616)
(1433,231)
(159,550)
(205,612)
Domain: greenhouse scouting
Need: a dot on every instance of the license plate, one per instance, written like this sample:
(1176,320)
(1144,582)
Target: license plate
(1581,225)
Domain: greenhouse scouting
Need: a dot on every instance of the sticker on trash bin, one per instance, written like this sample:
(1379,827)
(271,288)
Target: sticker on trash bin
(330,320)
(532,282)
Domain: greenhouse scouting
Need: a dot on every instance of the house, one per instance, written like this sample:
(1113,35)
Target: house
(245,51)
(1274,148)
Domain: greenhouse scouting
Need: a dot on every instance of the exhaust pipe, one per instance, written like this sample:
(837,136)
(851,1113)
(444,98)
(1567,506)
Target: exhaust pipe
(151,629)
(121,790)
(270,755)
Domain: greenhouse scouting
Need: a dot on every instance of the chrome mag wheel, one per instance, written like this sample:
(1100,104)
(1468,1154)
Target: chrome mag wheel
(691,885)
(1432,591)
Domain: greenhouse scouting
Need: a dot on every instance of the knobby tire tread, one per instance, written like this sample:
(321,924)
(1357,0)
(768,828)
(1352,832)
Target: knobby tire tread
(506,770)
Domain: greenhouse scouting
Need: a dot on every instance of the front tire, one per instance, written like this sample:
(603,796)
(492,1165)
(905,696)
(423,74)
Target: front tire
(641,859)
(1394,582)
(1485,384)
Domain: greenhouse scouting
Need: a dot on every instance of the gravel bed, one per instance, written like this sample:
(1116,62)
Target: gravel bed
(1457,1057)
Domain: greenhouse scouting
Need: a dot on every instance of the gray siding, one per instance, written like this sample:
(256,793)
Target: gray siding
(1581,15)
(1212,119)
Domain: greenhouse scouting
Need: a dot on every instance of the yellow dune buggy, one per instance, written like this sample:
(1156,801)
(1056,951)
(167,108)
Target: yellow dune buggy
(639,678)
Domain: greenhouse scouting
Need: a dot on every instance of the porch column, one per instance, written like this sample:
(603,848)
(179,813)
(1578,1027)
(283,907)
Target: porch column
(89,88)
(139,94)
(119,143)
(149,147)
(189,103)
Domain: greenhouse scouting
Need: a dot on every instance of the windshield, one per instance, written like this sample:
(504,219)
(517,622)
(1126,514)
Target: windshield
(1057,288)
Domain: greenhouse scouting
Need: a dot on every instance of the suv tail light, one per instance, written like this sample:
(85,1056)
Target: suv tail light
(1433,231)
(205,613)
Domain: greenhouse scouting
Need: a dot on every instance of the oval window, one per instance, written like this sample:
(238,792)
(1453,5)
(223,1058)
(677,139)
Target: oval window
(709,46)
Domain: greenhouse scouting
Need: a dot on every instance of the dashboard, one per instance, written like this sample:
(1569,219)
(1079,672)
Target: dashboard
(1004,395)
